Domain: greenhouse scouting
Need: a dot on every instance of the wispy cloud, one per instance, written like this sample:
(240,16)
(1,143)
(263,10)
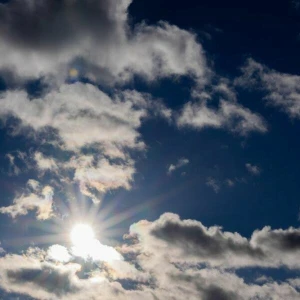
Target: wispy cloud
(229,115)
(39,199)
(180,163)
(253,169)
(282,89)
(214,184)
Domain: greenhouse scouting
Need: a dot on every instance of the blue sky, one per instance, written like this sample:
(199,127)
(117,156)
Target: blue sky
(149,149)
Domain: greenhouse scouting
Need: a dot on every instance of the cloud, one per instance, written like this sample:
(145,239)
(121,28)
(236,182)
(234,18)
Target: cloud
(95,39)
(101,175)
(40,200)
(296,4)
(99,131)
(168,258)
(14,169)
(28,275)
(282,89)
(214,184)
(58,253)
(230,182)
(82,116)
(71,110)
(192,242)
(44,163)
(33,184)
(180,163)
(253,169)
(229,115)
(18,162)
(2,251)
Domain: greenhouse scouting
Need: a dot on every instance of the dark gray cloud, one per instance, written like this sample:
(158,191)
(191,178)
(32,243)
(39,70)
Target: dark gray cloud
(47,39)
(215,247)
(48,278)
(217,293)
(195,239)
(281,240)
(50,25)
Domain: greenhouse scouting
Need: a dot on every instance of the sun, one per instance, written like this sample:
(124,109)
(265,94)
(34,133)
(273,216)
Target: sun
(82,234)
(86,246)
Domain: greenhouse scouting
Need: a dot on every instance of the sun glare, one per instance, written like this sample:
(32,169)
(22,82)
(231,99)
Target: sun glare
(82,234)
(85,245)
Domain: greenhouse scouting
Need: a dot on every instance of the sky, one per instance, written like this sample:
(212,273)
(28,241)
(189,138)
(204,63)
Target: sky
(149,149)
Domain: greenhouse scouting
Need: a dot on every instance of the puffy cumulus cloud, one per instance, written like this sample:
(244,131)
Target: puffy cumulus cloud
(57,41)
(186,241)
(168,258)
(92,39)
(29,275)
(82,116)
(180,163)
(229,115)
(282,89)
(287,241)
(38,199)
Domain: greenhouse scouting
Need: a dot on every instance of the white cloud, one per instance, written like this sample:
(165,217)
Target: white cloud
(253,169)
(194,243)
(214,184)
(230,182)
(96,251)
(83,116)
(282,89)
(162,260)
(44,163)
(2,251)
(40,200)
(14,169)
(104,176)
(58,253)
(180,163)
(229,115)
(95,39)
(34,184)
(74,110)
